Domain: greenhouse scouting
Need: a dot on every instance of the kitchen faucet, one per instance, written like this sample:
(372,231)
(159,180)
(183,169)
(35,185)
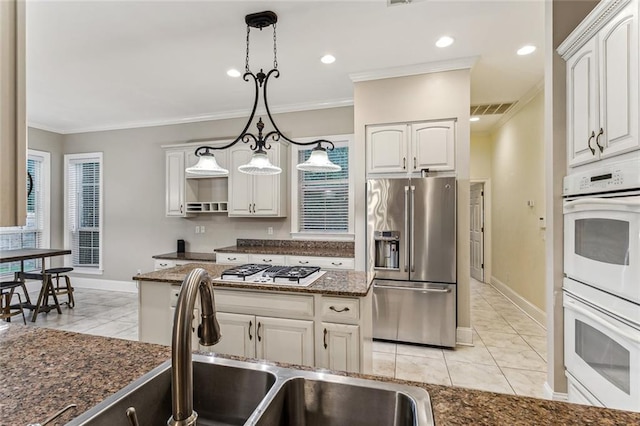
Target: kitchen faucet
(209,334)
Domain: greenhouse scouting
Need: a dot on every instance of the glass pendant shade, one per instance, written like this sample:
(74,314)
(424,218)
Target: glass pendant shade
(207,166)
(318,162)
(260,165)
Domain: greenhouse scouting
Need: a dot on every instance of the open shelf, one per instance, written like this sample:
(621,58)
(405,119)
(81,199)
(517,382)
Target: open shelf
(207,207)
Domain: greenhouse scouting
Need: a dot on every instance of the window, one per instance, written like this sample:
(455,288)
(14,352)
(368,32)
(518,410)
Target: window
(83,211)
(322,203)
(35,233)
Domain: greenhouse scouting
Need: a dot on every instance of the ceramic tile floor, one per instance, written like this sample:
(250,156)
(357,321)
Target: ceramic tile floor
(508,353)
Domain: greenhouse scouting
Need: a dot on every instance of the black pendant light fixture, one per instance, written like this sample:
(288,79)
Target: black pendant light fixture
(260,164)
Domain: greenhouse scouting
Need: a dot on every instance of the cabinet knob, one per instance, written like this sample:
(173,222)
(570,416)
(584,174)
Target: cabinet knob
(336,263)
(324,338)
(598,140)
(345,309)
(303,262)
(404,163)
(414,163)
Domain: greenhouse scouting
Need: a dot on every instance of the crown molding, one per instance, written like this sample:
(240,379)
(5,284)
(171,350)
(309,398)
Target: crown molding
(521,103)
(46,128)
(415,69)
(308,106)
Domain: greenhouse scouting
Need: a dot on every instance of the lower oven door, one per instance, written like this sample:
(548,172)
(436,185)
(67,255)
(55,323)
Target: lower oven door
(602,353)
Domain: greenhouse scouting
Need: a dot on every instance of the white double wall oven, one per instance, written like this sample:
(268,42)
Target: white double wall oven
(602,285)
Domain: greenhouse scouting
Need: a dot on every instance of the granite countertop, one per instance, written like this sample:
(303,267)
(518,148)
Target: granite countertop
(44,370)
(189,255)
(292,248)
(339,283)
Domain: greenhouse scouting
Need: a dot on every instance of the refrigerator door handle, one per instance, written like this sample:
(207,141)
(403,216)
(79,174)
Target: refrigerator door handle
(424,290)
(406,229)
(413,197)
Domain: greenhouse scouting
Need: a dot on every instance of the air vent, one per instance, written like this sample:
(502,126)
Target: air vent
(491,109)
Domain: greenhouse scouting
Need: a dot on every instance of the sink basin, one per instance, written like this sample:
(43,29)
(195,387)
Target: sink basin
(345,401)
(224,393)
(230,392)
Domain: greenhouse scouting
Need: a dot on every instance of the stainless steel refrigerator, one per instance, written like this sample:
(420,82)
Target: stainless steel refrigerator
(411,247)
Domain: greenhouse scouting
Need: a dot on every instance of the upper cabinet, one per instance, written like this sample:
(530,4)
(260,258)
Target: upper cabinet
(409,148)
(174,181)
(259,195)
(13,123)
(602,84)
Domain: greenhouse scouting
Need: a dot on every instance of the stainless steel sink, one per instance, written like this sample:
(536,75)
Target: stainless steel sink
(229,392)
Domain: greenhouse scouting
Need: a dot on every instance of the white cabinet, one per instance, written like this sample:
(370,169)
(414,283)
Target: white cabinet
(232,258)
(264,195)
(278,259)
(175,185)
(238,335)
(409,148)
(13,123)
(160,264)
(340,347)
(285,340)
(273,259)
(602,84)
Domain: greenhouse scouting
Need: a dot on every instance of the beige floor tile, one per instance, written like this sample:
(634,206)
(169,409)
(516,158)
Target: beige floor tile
(83,326)
(421,369)
(526,382)
(530,328)
(504,340)
(386,347)
(471,354)
(478,376)
(538,343)
(496,326)
(384,364)
(527,359)
(110,329)
(422,351)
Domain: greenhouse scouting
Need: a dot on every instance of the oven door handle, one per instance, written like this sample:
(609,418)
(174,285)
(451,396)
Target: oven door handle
(595,318)
(606,201)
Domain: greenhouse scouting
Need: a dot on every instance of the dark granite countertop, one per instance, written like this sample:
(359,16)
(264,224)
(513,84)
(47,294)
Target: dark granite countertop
(339,283)
(292,247)
(189,255)
(44,370)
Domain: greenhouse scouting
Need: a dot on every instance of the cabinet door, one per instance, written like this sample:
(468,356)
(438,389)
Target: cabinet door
(175,183)
(238,335)
(340,349)
(285,340)
(618,58)
(266,194)
(433,146)
(582,110)
(240,184)
(386,149)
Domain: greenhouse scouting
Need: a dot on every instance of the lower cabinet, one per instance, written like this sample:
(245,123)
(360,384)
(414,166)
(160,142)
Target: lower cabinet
(341,347)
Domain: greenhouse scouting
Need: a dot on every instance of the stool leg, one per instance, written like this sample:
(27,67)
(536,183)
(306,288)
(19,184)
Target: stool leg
(24,320)
(72,300)
(55,297)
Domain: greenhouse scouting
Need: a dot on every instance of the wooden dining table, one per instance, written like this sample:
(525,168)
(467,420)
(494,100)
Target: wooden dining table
(20,255)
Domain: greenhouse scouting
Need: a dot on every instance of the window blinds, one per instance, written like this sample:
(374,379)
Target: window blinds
(324,197)
(84,211)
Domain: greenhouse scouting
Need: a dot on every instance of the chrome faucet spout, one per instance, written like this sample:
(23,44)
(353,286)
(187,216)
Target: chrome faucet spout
(209,334)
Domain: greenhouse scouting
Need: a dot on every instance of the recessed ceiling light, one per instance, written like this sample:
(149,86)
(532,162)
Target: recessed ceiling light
(233,73)
(328,59)
(444,41)
(526,50)
(474,119)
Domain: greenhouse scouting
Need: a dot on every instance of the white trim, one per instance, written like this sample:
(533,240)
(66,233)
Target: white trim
(46,185)
(522,102)
(46,128)
(415,69)
(338,140)
(306,106)
(87,271)
(556,396)
(100,284)
(537,314)
(464,336)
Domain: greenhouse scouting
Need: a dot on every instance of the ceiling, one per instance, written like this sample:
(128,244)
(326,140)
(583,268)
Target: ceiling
(97,65)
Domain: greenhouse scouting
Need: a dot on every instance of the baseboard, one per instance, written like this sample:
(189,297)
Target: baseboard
(100,284)
(537,314)
(464,336)
(556,396)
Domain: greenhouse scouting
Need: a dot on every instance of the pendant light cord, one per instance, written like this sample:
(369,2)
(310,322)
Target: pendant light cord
(275,49)
(246,64)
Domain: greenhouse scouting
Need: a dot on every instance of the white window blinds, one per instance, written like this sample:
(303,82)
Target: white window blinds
(324,197)
(83,210)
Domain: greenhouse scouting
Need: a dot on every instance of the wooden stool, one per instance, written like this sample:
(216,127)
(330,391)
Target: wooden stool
(7,310)
(58,273)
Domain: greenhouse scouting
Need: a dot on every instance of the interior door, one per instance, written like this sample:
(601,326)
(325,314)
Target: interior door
(477,231)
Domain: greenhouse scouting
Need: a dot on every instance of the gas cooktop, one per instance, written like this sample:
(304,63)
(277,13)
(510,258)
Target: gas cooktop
(263,273)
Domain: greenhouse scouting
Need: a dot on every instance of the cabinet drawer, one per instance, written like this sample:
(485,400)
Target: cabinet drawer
(340,309)
(273,259)
(263,303)
(323,262)
(160,264)
(232,258)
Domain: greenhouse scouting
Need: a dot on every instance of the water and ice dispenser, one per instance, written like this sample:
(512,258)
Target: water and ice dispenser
(387,245)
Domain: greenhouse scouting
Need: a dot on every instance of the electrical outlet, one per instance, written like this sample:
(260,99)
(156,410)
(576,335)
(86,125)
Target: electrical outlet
(270,230)
(202,229)
(197,229)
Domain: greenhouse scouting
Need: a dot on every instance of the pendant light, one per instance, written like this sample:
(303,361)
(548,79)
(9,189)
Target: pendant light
(260,165)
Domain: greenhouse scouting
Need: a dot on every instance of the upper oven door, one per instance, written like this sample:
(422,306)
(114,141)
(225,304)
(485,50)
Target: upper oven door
(602,244)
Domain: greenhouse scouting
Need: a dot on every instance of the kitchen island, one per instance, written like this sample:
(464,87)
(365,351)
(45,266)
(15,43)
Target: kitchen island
(326,324)
(45,370)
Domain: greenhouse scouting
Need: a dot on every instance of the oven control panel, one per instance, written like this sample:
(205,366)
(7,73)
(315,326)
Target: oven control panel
(623,175)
